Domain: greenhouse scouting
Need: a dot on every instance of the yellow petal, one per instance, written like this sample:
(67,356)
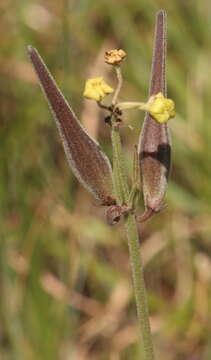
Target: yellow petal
(96,89)
(160,108)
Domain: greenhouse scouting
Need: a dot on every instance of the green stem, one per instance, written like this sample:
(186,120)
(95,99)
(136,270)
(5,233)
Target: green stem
(120,181)
(123,196)
(132,105)
(122,193)
(139,286)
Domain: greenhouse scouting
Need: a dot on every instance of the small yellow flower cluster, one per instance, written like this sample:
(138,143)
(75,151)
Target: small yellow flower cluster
(115,57)
(160,108)
(96,89)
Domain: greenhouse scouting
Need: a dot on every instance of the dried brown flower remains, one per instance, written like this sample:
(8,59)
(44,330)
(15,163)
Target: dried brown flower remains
(115,57)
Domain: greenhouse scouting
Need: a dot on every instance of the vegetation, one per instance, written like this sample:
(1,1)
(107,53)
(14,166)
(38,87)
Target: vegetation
(65,277)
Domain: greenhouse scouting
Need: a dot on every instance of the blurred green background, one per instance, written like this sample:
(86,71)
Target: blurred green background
(65,278)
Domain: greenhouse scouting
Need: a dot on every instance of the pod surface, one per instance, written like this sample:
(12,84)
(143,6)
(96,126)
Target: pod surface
(154,142)
(87,161)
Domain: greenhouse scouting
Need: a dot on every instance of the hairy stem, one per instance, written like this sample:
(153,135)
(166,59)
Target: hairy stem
(123,196)
(122,192)
(139,286)
(120,181)
(119,177)
(128,105)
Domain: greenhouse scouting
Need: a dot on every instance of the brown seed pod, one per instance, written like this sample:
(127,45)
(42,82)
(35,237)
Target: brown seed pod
(154,143)
(87,161)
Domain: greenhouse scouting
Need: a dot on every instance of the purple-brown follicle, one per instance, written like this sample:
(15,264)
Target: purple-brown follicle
(154,142)
(87,161)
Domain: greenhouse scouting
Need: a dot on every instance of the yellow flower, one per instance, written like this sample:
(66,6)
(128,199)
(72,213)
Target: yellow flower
(115,57)
(160,108)
(96,89)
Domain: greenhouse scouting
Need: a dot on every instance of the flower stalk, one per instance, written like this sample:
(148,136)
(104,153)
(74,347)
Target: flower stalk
(119,84)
